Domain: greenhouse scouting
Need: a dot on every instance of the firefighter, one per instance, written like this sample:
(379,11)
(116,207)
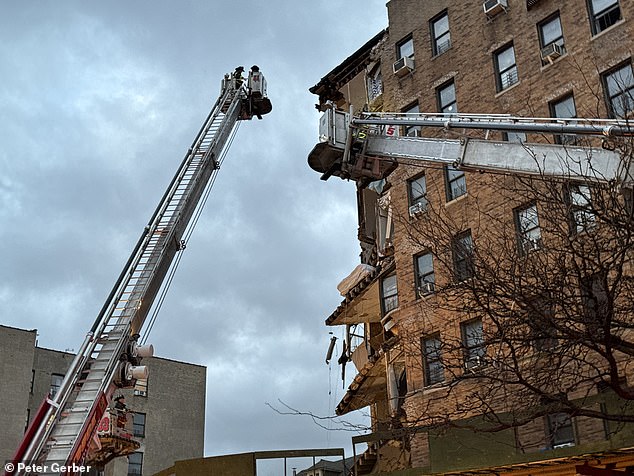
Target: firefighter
(237,76)
(120,403)
(121,410)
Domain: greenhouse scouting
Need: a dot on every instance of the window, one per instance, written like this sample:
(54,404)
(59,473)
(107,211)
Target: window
(603,14)
(417,189)
(462,251)
(582,216)
(138,424)
(473,343)
(595,301)
(456,182)
(425,279)
(375,83)
(628,201)
(529,234)
(412,131)
(405,48)
(619,87)
(140,388)
(135,464)
(389,293)
(564,108)
(550,33)
(56,383)
(505,68)
(440,37)
(384,225)
(432,360)
(512,136)
(32,381)
(446,96)
(541,321)
(560,430)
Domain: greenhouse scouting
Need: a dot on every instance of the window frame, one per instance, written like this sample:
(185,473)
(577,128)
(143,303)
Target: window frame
(135,464)
(400,44)
(413,108)
(414,197)
(582,216)
(499,73)
(596,18)
(392,297)
(141,425)
(433,368)
(374,82)
(594,293)
(514,136)
(629,91)
(429,276)
(563,139)
(53,389)
(452,178)
(526,241)
(462,256)
(558,40)
(474,354)
(438,47)
(443,107)
(553,426)
(540,309)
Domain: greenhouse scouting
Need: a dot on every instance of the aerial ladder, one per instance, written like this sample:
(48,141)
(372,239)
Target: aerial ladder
(63,433)
(369,146)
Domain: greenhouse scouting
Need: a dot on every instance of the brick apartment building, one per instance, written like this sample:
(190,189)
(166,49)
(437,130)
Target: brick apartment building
(167,428)
(421,343)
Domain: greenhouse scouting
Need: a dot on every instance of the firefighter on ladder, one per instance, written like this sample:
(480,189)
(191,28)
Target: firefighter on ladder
(238,79)
(122,412)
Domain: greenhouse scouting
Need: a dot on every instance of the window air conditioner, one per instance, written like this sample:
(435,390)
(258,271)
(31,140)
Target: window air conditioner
(551,52)
(532,245)
(493,7)
(475,364)
(416,209)
(426,288)
(403,66)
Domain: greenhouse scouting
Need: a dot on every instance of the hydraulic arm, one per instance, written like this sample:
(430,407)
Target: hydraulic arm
(368,147)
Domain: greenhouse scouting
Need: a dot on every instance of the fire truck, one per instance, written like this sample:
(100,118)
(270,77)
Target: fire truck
(78,426)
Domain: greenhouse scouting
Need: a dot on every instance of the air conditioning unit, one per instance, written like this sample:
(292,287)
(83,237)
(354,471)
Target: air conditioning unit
(417,208)
(552,52)
(494,7)
(532,245)
(426,288)
(475,364)
(403,66)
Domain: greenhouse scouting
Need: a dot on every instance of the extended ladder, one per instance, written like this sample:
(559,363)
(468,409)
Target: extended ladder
(65,425)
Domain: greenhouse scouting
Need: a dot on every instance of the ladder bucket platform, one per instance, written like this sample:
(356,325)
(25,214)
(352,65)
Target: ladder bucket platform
(116,438)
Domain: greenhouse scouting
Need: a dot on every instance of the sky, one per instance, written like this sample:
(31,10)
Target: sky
(99,102)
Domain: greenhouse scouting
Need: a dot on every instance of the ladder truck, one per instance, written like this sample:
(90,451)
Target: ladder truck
(368,146)
(62,435)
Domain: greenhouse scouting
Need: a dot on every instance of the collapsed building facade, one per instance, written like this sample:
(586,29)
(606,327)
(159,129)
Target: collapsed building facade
(477,294)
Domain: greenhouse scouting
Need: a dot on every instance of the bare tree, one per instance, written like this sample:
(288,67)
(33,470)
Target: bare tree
(535,292)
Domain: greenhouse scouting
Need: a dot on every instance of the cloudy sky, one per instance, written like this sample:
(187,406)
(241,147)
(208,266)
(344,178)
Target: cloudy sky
(98,103)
